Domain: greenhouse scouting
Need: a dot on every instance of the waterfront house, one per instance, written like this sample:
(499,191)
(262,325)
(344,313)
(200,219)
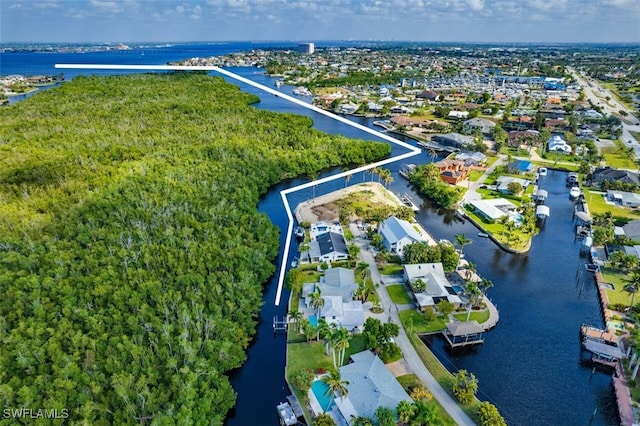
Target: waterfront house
(502,183)
(520,166)
(328,247)
(371,385)
(398,233)
(336,288)
(319,228)
(452,171)
(494,209)
(455,140)
(338,282)
(623,199)
(611,175)
(437,286)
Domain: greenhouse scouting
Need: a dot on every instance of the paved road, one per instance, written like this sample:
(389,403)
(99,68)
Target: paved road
(410,355)
(597,95)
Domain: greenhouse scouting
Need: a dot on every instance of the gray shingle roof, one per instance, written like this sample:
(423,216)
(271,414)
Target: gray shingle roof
(371,385)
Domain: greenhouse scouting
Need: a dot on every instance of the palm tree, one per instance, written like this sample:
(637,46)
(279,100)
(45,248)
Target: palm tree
(462,241)
(336,386)
(471,268)
(295,317)
(313,176)
(504,220)
(324,331)
(340,342)
(472,291)
(354,250)
(433,154)
(405,411)
(633,284)
(347,178)
(317,302)
(385,174)
(485,285)
(363,269)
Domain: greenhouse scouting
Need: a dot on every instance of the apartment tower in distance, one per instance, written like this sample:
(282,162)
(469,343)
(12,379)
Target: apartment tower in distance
(306,48)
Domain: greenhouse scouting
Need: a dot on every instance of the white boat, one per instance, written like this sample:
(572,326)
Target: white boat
(302,91)
(483,235)
(574,192)
(542,171)
(279,83)
(285,412)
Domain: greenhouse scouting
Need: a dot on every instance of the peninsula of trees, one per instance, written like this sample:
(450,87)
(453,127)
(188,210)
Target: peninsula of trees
(132,254)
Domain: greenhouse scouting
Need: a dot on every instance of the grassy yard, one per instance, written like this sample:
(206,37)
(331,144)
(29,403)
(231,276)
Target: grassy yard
(415,321)
(390,269)
(480,316)
(617,157)
(312,355)
(636,135)
(475,175)
(597,205)
(618,295)
(398,294)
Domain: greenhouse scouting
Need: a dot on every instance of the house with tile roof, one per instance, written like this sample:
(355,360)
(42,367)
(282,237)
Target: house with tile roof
(398,233)
(452,171)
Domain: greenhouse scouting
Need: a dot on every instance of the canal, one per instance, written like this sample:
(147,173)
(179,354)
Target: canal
(530,364)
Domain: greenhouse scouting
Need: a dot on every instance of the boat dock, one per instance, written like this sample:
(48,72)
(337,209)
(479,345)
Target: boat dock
(460,334)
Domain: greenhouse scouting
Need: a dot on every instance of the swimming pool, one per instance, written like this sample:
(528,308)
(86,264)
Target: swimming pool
(313,320)
(319,389)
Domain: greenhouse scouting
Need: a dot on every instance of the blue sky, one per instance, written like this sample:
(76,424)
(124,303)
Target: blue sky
(310,20)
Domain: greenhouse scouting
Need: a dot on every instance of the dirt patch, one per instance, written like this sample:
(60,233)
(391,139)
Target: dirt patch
(399,368)
(326,207)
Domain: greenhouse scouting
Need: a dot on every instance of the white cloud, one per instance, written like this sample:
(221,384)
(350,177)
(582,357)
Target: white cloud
(476,4)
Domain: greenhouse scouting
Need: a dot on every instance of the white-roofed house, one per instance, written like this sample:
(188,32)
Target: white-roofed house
(437,286)
(557,144)
(493,209)
(336,288)
(371,385)
(398,233)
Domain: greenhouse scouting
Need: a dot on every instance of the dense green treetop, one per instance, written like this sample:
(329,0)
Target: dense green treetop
(132,255)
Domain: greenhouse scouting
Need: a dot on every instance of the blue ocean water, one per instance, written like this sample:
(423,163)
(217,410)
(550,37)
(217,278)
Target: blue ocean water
(529,365)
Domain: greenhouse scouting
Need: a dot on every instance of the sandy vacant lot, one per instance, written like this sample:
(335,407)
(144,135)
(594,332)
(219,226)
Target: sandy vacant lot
(321,207)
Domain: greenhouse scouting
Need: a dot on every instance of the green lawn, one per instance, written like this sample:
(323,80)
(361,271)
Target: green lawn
(475,175)
(409,381)
(597,205)
(636,135)
(618,295)
(420,323)
(480,316)
(311,355)
(398,294)
(617,157)
(390,269)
